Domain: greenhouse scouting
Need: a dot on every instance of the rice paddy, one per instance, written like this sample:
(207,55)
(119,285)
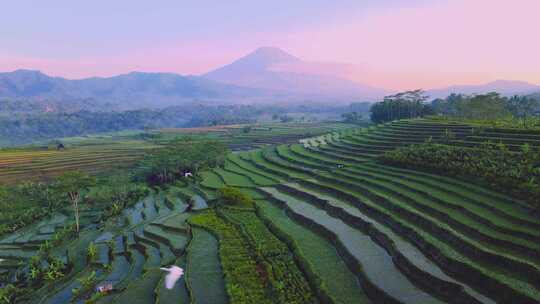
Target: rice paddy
(330,224)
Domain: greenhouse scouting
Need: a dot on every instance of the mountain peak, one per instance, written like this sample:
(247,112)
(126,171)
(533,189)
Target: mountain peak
(271,68)
(264,57)
(272,55)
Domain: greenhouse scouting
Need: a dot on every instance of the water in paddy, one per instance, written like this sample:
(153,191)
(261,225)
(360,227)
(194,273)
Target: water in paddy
(412,253)
(65,295)
(200,203)
(120,269)
(375,261)
(149,211)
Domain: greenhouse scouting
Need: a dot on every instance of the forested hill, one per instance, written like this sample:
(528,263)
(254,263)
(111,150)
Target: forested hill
(25,124)
(22,129)
(127,91)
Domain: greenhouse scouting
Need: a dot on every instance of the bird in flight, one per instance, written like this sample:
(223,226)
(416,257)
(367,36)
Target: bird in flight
(175,273)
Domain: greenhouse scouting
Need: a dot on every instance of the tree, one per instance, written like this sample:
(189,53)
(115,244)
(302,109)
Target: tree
(522,107)
(409,104)
(42,193)
(167,164)
(72,184)
(486,106)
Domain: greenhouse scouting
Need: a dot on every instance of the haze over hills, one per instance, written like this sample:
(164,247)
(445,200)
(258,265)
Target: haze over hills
(267,75)
(275,69)
(131,90)
(505,87)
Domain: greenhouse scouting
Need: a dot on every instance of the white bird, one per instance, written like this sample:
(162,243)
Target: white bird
(175,273)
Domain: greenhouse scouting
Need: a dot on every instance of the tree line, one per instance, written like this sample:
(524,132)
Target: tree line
(485,107)
(490,106)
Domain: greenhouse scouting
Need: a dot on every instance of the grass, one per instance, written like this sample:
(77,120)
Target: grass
(455,204)
(393,203)
(211,180)
(489,271)
(513,282)
(233,179)
(371,263)
(44,164)
(474,195)
(494,234)
(352,214)
(204,277)
(248,167)
(363,232)
(243,280)
(327,271)
(255,178)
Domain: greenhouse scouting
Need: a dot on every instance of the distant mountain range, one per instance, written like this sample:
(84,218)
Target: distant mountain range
(505,87)
(267,75)
(128,91)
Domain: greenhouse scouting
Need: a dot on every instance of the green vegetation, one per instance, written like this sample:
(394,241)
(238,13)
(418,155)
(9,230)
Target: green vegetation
(95,156)
(408,104)
(324,268)
(518,173)
(25,203)
(409,211)
(286,281)
(26,121)
(179,158)
(490,109)
(233,197)
(71,184)
(205,277)
(243,279)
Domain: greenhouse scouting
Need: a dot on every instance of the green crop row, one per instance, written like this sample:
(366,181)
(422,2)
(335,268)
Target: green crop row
(243,280)
(287,281)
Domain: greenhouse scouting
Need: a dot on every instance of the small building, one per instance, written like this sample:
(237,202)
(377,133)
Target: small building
(105,288)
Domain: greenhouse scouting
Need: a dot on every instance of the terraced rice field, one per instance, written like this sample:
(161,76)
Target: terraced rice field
(259,135)
(329,225)
(101,154)
(130,248)
(33,165)
(399,235)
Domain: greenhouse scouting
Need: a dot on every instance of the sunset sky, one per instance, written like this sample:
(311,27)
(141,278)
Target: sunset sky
(394,44)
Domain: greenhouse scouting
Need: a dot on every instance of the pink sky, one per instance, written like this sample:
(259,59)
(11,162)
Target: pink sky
(426,45)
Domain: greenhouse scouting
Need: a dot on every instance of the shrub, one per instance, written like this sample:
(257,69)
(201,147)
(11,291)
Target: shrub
(92,252)
(233,197)
(8,294)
